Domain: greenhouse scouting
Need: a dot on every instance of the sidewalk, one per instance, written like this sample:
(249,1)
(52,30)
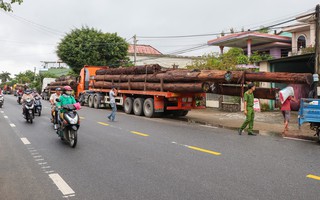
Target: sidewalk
(265,123)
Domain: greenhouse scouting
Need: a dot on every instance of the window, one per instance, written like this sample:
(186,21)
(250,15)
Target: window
(301,42)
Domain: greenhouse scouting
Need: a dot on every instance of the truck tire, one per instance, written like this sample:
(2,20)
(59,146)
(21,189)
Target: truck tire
(81,100)
(90,101)
(184,113)
(148,108)
(96,101)
(138,106)
(128,104)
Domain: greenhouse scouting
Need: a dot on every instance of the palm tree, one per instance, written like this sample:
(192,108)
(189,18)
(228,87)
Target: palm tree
(4,76)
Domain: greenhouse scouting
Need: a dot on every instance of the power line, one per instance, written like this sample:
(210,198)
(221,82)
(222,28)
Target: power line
(219,33)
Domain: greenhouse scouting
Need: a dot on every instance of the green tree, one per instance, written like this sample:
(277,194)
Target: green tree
(87,46)
(5,76)
(227,61)
(25,77)
(263,29)
(6,5)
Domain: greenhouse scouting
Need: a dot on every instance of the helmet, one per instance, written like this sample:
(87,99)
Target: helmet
(28,91)
(58,89)
(67,88)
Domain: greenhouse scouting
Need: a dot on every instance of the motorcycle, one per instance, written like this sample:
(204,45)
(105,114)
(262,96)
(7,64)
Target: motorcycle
(37,105)
(19,97)
(1,100)
(69,125)
(29,110)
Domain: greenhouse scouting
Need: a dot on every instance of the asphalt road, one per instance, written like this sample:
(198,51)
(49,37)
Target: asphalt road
(140,158)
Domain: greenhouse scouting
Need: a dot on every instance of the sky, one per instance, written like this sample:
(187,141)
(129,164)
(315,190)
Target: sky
(30,33)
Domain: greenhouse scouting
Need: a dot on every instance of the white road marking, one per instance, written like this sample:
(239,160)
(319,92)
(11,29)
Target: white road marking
(43,163)
(49,172)
(37,156)
(298,139)
(12,125)
(5,117)
(64,188)
(34,153)
(41,159)
(25,141)
(46,167)
(207,126)
(33,150)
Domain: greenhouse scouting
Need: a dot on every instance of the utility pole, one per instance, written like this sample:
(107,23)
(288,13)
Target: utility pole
(135,49)
(34,78)
(317,52)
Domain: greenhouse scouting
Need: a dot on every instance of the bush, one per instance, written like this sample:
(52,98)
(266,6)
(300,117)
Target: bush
(265,107)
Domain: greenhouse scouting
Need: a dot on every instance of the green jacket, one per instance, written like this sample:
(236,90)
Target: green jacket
(249,98)
(64,100)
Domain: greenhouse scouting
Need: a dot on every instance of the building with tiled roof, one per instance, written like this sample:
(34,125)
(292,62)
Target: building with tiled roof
(275,45)
(146,54)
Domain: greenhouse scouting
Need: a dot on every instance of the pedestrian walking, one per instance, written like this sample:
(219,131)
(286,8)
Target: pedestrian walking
(112,94)
(286,112)
(248,110)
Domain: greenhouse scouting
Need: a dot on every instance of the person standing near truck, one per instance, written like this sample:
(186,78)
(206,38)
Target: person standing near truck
(112,94)
(248,110)
(286,110)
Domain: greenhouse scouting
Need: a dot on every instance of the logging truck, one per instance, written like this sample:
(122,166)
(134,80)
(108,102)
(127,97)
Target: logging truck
(150,90)
(139,98)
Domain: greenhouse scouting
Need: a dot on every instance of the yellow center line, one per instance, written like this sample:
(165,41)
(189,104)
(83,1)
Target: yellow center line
(314,177)
(204,150)
(104,124)
(138,133)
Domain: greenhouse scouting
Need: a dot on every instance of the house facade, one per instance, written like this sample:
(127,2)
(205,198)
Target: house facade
(303,33)
(146,54)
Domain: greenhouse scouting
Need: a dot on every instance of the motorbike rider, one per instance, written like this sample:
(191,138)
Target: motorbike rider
(53,98)
(35,93)
(27,95)
(65,98)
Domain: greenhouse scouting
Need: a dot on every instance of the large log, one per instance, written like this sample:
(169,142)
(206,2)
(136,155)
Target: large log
(144,69)
(217,76)
(260,93)
(67,82)
(53,87)
(166,87)
(65,78)
(280,77)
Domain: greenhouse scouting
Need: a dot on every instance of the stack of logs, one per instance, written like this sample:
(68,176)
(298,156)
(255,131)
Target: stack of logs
(63,81)
(151,77)
(148,78)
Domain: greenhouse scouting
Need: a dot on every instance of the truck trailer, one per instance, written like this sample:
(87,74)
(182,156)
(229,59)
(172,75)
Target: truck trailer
(149,103)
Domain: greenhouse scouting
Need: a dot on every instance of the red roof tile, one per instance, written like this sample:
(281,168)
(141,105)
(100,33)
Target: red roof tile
(144,49)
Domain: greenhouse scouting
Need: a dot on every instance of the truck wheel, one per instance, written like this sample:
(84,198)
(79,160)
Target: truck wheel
(81,100)
(128,104)
(96,101)
(184,113)
(148,108)
(90,101)
(137,106)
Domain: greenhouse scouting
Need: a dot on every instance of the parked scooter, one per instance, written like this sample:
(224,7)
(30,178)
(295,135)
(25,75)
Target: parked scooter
(37,105)
(29,110)
(1,100)
(69,125)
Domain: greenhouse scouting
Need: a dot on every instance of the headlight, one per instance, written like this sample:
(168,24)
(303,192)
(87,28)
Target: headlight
(72,120)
